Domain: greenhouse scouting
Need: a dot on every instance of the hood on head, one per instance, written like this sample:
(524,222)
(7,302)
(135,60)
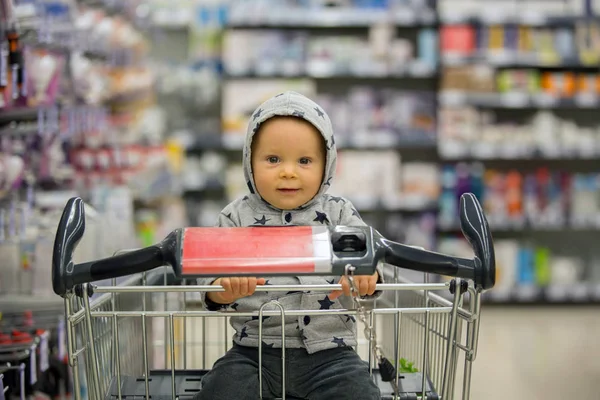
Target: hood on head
(295,105)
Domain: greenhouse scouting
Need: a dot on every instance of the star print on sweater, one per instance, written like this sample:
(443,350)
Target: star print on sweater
(245,198)
(234,306)
(228,215)
(321,217)
(331,282)
(328,182)
(243,333)
(330,146)
(261,221)
(257,114)
(339,341)
(355,213)
(293,292)
(306,319)
(326,303)
(320,112)
(268,346)
(302,335)
(337,199)
(255,318)
(350,318)
(297,113)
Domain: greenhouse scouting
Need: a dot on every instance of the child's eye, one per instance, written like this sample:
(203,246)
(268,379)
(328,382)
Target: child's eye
(305,161)
(273,159)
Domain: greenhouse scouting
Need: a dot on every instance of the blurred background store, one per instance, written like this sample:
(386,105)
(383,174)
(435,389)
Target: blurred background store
(140,107)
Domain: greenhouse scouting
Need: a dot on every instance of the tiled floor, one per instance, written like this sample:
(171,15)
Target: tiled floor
(538,353)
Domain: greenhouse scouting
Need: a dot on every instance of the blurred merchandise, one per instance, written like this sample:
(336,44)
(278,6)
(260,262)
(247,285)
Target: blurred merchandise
(468,132)
(521,44)
(480,84)
(330,13)
(530,272)
(514,200)
(414,230)
(237,109)
(534,12)
(292,53)
(368,117)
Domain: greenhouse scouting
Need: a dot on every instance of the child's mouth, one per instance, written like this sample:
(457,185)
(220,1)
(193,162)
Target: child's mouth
(288,191)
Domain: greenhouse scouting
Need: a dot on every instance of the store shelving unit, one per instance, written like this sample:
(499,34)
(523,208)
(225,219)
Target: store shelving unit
(414,77)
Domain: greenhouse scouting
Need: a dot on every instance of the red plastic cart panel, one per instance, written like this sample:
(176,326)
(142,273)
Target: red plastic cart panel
(252,250)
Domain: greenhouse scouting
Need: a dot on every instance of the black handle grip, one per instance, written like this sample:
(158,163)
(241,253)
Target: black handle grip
(476,230)
(68,234)
(65,275)
(408,257)
(481,270)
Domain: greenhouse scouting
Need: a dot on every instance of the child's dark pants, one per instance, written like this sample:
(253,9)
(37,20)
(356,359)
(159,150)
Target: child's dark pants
(335,374)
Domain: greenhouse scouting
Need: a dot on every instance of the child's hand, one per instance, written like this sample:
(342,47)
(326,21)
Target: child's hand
(235,288)
(364,283)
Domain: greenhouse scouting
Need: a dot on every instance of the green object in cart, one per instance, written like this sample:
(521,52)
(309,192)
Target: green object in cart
(407,367)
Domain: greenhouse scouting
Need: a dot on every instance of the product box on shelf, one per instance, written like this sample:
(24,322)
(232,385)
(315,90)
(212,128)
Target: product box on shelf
(376,172)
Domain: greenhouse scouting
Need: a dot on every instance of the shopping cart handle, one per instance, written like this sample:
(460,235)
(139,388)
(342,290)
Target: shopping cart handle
(481,269)
(66,274)
(269,251)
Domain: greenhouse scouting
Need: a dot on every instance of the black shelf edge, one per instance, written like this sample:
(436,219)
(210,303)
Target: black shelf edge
(408,75)
(533,157)
(516,101)
(507,60)
(336,19)
(551,294)
(18,114)
(524,19)
(578,294)
(407,145)
(526,227)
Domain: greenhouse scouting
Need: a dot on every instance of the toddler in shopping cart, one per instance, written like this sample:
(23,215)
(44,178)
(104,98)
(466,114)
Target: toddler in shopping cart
(289,161)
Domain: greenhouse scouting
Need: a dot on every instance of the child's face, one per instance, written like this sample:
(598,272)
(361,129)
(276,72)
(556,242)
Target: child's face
(288,162)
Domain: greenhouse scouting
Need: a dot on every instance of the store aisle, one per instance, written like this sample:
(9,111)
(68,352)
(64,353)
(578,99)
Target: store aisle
(538,353)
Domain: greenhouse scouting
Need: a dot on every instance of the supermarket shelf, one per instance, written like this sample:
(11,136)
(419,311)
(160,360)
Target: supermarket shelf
(333,18)
(18,114)
(507,152)
(209,187)
(582,293)
(234,145)
(12,303)
(512,59)
(390,205)
(516,100)
(500,15)
(413,71)
(583,225)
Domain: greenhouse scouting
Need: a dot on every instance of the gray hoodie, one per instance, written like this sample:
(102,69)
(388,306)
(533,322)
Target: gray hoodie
(314,333)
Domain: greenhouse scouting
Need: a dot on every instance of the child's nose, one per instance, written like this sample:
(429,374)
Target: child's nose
(287,171)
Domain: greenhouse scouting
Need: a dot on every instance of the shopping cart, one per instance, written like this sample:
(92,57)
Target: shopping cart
(24,356)
(44,332)
(140,341)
